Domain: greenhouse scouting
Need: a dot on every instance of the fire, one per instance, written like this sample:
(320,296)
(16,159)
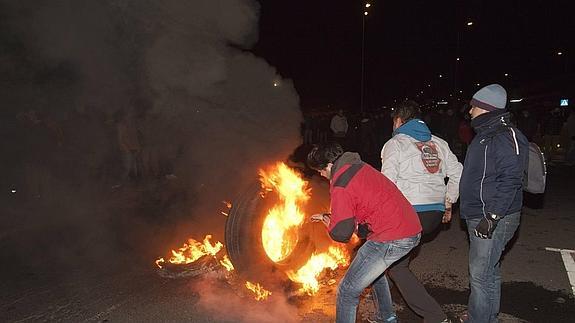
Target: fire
(280,227)
(283,221)
(227,263)
(308,274)
(260,292)
(192,251)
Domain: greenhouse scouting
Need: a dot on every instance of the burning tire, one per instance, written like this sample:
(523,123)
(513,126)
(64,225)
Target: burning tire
(243,236)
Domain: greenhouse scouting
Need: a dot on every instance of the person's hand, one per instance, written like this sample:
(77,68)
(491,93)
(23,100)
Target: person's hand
(321,217)
(486,226)
(447,214)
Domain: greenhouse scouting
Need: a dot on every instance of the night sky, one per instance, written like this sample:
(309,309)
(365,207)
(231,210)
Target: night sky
(408,44)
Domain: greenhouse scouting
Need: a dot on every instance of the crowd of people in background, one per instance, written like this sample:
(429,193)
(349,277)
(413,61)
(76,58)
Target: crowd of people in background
(553,129)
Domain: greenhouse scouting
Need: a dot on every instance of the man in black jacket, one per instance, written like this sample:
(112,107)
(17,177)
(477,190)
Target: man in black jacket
(491,197)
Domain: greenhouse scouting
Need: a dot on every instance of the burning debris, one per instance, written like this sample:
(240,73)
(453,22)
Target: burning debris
(279,241)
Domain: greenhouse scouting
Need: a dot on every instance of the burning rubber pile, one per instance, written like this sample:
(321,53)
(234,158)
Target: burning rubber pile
(270,246)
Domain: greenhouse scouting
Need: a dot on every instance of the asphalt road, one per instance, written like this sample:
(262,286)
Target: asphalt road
(536,287)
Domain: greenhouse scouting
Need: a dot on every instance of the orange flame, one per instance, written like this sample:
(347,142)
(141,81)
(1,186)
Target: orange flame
(260,292)
(192,251)
(309,273)
(280,227)
(227,263)
(282,224)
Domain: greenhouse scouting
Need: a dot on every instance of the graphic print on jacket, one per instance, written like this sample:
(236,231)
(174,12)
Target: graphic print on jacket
(429,156)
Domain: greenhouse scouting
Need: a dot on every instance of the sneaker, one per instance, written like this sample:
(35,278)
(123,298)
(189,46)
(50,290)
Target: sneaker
(463,318)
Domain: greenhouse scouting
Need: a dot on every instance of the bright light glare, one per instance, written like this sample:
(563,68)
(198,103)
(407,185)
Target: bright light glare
(365,13)
(516,100)
(275,84)
(367,5)
(559,53)
(470,23)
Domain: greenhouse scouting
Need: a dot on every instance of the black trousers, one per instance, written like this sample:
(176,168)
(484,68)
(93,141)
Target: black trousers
(409,286)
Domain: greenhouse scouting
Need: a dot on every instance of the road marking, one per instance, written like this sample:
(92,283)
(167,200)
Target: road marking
(569,263)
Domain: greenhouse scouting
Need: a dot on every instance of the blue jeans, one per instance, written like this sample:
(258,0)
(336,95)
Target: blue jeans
(368,266)
(484,268)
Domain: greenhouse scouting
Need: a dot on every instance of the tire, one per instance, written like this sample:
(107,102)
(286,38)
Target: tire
(244,242)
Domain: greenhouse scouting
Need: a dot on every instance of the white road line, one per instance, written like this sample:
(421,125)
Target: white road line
(569,263)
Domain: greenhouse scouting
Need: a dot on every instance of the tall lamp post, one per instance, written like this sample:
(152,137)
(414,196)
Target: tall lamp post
(365,13)
(469,23)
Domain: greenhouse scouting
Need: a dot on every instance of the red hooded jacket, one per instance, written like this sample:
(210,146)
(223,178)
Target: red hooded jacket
(362,195)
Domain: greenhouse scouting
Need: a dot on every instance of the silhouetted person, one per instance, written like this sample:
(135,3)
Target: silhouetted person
(527,124)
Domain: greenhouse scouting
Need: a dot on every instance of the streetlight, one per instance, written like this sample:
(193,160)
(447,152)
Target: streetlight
(470,23)
(365,13)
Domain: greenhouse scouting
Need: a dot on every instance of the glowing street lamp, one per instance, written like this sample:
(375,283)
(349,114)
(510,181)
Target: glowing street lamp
(365,13)
(470,23)
(559,53)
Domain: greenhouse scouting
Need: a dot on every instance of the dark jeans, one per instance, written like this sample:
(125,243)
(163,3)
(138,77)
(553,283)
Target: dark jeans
(484,268)
(411,289)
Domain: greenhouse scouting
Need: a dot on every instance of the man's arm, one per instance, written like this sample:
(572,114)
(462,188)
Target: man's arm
(390,160)
(509,174)
(453,170)
(342,222)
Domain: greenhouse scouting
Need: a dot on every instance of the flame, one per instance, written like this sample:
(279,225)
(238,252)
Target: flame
(308,274)
(192,251)
(227,263)
(280,227)
(260,292)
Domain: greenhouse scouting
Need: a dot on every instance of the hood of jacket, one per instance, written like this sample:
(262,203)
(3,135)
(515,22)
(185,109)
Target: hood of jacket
(415,128)
(491,120)
(345,158)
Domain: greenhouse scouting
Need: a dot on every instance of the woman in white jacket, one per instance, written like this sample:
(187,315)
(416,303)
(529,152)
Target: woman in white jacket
(418,163)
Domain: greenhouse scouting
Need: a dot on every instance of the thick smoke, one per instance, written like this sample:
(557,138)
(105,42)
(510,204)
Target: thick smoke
(181,68)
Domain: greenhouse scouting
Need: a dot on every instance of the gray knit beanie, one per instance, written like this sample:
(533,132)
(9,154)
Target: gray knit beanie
(490,98)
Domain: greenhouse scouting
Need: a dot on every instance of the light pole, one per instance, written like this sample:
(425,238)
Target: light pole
(365,13)
(458,55)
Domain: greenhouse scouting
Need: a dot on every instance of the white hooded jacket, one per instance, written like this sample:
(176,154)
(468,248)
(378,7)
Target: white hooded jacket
(419,168)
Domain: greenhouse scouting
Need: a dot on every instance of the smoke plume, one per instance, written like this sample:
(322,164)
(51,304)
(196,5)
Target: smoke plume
(183,69)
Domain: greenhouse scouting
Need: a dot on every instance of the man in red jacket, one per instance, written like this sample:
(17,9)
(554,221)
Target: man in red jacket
(362,197)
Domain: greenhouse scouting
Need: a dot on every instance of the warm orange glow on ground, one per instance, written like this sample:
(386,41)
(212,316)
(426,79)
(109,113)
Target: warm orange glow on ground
(260,292)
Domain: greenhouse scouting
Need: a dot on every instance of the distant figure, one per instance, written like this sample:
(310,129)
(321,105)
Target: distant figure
(339,127)
(364,200)
(491,197)
(553,125)
(466,134)
(570,125)
(527,124)
(129,144)
(451,125)
(419,163)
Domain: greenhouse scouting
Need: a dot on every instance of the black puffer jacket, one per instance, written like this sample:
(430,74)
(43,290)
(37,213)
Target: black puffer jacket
(494,167)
